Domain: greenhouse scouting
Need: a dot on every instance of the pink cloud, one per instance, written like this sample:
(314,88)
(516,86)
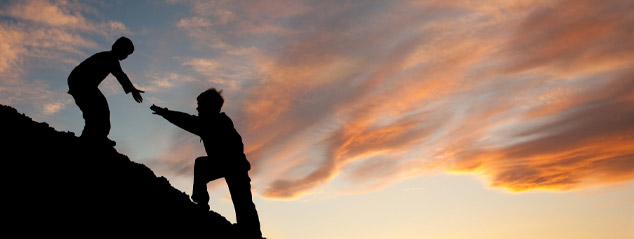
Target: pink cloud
(529,94)
(43,11)
(49,32)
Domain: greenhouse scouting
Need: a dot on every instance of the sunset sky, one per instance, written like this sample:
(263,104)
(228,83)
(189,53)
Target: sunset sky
(368,119)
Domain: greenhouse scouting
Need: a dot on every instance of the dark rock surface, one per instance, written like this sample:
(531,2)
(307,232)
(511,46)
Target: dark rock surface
(55,184)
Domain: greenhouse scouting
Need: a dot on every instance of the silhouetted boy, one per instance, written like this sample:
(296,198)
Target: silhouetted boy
(83,84)
(226,158)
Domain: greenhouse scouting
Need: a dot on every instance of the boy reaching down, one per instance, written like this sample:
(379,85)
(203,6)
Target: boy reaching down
(225,157)
(83,84)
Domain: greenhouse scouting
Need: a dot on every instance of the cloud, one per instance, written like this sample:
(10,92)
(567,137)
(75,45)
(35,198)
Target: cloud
(584,137)
(164,81)
(60,14)
(44,35)
(17,45)
(585,144)
(573,37)
(194,22)
(52,108)
(203,66)
(42,11)
(527,94)
(11,50)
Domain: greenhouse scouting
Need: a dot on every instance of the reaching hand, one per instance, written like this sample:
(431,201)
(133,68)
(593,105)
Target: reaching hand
(136,94)
(157,110)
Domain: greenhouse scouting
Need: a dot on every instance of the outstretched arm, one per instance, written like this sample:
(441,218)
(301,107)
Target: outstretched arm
(185,121)
(126,83)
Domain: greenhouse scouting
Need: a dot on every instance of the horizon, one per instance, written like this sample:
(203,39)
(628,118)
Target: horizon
(371,119)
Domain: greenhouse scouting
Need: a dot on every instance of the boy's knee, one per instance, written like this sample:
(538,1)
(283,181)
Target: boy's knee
(200,165)
(200,160)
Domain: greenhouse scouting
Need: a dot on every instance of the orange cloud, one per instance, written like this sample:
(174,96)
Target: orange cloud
(589,143)
(61,14)
(47,33)
(573,37)
(530,94)
(45,12)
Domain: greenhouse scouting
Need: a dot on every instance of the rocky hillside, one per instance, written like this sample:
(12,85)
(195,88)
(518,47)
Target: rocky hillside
(54,184)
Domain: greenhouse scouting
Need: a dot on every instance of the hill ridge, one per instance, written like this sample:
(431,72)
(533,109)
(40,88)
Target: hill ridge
(57,184)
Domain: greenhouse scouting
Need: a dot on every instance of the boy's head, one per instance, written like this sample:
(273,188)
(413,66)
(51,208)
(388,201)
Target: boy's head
(122,48)
(209,102)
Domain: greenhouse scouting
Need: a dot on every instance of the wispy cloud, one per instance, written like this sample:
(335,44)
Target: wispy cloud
(528,94)
(52,34)
(60,14)
(159,82)
(42,11)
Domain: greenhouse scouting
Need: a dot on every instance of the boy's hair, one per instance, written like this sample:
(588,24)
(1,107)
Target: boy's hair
(123,44)
(212,98)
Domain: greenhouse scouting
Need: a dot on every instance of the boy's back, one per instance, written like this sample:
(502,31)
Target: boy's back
(220,138)
(92,71)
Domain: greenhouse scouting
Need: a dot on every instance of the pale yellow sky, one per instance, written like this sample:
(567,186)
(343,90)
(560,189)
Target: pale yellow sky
(366,119)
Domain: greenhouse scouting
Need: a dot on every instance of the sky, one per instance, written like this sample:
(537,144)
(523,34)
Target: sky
(365,118)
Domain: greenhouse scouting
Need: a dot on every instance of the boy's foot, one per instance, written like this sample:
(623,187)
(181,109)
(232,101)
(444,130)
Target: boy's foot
(98,141)
(198,199)
(247,234)
(110,142)
(204,207)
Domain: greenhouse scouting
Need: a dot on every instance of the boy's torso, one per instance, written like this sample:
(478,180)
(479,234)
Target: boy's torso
(92,71)
(222,141)
(220,136)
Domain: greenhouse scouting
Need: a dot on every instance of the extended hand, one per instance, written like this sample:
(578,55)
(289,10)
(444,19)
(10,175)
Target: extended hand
(157,110)
(136,94)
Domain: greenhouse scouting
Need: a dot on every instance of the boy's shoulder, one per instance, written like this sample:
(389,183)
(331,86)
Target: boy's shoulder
(225,118)
(104,54)
(221,121)
(101,57)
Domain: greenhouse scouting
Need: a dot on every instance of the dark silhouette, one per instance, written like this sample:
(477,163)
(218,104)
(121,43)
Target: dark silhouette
(226,158)
(57,185)
(83,84)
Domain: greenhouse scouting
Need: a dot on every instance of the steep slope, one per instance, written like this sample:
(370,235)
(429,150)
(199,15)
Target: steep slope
(55,184)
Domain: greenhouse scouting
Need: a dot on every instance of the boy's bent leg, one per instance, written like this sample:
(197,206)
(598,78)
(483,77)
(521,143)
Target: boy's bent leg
(103,112)
(204,171)
(96,113)
(82,102)
(246,213)
(199,192)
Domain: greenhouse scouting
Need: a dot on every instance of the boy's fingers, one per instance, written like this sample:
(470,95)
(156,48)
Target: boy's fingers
(137,97)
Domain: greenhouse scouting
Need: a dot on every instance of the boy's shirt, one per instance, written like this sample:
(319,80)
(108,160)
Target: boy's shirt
(92,71)
(220,138)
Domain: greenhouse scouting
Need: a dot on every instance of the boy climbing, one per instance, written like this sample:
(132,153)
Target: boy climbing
(225,158)
(83,84)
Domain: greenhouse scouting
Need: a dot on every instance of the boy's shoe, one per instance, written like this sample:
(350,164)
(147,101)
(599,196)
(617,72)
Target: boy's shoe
(196,198)
(202,204)
(96,141)
(204,207)
(247,234)
(110,142)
